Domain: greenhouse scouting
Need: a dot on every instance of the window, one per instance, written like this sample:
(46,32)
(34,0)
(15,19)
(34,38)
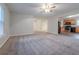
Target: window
(77,22)
(1,20)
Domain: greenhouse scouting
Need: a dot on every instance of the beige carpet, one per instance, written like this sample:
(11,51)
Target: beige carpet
(41,44)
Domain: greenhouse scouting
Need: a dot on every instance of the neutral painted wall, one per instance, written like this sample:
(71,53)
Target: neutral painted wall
(53,25)
(21,24)
(24,24)
(5,36)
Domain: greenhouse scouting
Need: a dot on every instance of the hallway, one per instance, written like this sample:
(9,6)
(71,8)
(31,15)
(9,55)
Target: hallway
(41,44)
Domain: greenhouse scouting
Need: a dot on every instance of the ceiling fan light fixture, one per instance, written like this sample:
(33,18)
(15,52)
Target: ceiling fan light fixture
(48,7)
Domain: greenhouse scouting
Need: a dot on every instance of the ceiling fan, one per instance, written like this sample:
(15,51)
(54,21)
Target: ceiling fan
(47,8)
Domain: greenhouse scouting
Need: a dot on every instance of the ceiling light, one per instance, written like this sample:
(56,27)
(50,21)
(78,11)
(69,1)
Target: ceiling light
(48,7)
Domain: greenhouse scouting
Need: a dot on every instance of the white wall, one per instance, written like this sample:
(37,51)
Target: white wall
(5,36)
(21,24)
(53,25)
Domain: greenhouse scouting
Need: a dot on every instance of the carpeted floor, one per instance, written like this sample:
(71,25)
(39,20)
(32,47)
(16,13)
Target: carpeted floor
(41,44)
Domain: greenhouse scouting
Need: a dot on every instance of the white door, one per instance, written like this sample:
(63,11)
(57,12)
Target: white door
(40,25)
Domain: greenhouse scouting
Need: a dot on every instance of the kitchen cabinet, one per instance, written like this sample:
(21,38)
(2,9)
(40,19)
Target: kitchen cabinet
(77,30)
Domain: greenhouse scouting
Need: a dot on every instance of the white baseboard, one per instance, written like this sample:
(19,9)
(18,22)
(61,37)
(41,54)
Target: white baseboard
(4,42)
(29,34)
(21,34)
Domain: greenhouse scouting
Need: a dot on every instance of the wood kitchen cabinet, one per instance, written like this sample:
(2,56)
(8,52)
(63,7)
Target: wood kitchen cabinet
(69,21)
(77,30)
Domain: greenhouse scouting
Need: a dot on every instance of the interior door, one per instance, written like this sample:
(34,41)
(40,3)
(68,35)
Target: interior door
(40,25)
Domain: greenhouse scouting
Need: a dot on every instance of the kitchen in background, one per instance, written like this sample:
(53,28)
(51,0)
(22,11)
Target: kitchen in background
(69,24)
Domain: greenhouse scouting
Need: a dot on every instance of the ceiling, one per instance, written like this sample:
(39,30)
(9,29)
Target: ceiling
(34,8)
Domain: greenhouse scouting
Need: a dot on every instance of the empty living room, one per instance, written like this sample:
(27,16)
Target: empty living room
(39,28)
